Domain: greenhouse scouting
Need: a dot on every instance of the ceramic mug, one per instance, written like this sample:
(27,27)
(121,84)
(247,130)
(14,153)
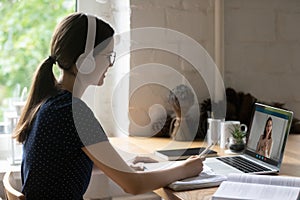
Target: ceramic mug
(213,130)
(225,131)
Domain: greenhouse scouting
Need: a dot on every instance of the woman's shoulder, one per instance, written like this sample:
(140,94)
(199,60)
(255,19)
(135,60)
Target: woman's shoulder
(65,104)
(63,99)
(62,102)
(56,105)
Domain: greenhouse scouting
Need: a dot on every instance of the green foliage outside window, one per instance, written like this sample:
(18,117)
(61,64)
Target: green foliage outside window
(26,28)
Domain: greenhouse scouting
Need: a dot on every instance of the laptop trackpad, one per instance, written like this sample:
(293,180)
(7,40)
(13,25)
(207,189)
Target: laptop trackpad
(219,167)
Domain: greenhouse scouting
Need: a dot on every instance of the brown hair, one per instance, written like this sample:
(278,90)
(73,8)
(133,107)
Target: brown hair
(265,132)
(68,43)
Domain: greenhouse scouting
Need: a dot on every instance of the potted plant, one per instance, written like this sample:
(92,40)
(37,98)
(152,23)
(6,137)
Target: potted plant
(237,141)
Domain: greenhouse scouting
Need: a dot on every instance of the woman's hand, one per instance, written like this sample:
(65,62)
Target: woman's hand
(193,166)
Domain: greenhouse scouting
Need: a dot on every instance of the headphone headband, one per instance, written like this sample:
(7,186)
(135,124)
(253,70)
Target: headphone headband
(86,62)
(91,34)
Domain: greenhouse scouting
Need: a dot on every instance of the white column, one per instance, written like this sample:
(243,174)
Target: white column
(117,14)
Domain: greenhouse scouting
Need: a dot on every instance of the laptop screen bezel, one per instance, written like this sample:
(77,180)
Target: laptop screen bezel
(253,154)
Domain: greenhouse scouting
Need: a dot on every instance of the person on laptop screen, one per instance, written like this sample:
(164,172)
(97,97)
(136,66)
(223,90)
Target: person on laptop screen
(265,141)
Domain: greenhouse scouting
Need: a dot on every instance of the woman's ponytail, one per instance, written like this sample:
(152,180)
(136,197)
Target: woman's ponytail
(43,86)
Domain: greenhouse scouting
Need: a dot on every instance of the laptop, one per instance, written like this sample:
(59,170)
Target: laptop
(252,160)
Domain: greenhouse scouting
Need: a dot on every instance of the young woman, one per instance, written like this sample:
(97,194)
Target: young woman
(265,141)
(62,138)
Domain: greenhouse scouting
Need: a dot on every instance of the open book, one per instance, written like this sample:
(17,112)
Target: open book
(260,187)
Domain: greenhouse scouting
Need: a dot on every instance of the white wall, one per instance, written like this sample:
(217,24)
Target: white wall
(262,49)
(195,18)
(262,45)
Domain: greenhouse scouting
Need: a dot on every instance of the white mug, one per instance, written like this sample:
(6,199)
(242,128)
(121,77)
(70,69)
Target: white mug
(225,129)
(213,130)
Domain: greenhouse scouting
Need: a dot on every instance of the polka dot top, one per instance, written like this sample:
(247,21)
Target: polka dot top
(54,165)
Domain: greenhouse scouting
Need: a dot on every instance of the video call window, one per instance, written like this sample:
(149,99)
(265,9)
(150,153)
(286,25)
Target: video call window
(267,134)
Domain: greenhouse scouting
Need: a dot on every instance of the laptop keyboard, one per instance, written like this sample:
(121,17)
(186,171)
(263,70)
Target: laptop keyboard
(243,164)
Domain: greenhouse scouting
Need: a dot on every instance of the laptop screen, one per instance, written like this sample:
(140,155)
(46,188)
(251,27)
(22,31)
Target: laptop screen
(268,133)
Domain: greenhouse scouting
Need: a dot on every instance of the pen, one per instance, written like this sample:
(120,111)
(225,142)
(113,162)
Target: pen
(205,151)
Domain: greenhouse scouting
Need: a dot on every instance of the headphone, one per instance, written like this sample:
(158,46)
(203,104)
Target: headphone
(86,61)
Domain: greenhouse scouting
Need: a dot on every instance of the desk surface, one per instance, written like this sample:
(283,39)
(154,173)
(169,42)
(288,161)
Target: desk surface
(290,164)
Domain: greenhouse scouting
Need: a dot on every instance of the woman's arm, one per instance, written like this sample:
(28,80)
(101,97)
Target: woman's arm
(108,160)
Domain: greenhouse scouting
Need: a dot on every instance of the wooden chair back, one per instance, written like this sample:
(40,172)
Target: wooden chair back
(10,190)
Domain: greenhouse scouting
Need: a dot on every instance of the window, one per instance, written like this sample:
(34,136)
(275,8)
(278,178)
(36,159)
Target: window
(25,34)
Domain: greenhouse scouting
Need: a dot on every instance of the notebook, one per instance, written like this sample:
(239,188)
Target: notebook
(206,178)
(253,159)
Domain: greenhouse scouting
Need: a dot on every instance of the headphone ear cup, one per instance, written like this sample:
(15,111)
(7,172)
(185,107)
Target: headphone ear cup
(86,64)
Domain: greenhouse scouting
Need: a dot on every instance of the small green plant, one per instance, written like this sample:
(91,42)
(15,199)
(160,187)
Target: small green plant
(238,134)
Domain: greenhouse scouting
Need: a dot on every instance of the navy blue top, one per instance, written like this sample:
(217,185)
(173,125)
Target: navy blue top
(54,165)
